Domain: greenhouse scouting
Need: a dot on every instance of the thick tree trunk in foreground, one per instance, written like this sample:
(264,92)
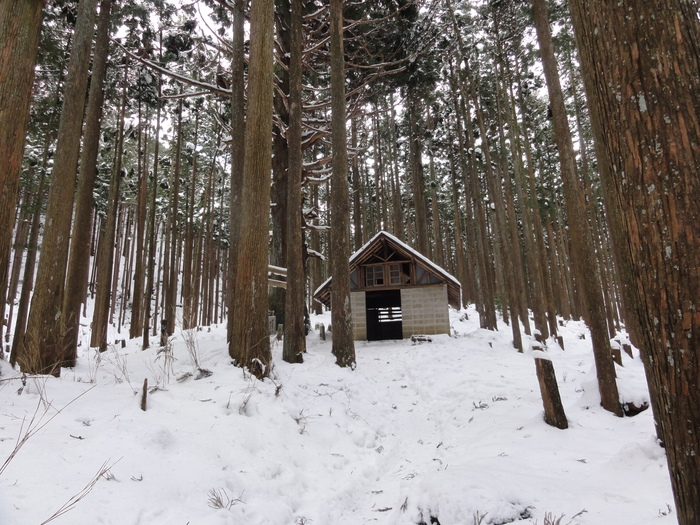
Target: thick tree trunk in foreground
(581,238)
(79,261)
(43,350)
(20,25)
(343,343)
(294,332)
(250,341)
(643,87)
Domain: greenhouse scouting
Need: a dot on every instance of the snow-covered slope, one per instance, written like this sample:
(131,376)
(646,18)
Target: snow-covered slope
(450,429)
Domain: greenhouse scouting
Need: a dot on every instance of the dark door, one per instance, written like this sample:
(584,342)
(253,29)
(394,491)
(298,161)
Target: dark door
(384,315)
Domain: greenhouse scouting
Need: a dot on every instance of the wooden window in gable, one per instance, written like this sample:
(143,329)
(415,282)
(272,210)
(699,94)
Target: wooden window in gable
(374,275)
(399,273)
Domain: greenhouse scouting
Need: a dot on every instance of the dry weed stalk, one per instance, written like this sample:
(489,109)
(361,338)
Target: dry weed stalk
(36,423)
(76,498)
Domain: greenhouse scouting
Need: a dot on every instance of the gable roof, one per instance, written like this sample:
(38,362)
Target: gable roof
(364,254)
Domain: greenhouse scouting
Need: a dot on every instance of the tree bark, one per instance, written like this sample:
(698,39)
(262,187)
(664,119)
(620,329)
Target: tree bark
(554,414)
(106,248)
(250,336)
(294,344)
(643,87)
(343,344)
(189,315)
(151,233)
(20,26)
(417,175)
(29,268)
(581,238)
(136,321)
(280,160)
(357,211)
(43,351)
(171,278)
(79,260)
(237,155)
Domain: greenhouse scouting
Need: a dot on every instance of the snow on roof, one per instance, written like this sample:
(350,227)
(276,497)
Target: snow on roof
(422,258)
(403,246)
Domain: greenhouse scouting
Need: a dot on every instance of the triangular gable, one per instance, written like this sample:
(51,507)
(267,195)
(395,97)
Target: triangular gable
(385,247)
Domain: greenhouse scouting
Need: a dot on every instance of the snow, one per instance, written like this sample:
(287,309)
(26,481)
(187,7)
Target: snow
(451,428)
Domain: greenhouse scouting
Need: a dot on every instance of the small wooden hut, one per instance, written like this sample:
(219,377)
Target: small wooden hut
(395,292)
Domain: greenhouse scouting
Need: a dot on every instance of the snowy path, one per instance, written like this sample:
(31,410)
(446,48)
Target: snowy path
(451,429)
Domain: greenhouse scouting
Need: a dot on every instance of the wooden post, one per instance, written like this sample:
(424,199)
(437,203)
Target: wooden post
(616,352)
(553,409)
(627,349)
(280,332)
(144,394)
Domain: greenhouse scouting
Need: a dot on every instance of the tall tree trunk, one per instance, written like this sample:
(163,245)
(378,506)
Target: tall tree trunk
(237,156)
(542,296)
(460,253)
(417,175)
(480,247)
(581,239)
(315,263)
(343,343)
(20,26)
(250,335)
(151,233)
(170,291)
(106,248)
(29,268)
(21,229)
(438,254)
(79,260)
(43,351)
(643,87)
(189,317)
(356,190)
(294,331)
(518,277)
(495,189)
(397,215)
(136,321)
(280,160)
(379,201)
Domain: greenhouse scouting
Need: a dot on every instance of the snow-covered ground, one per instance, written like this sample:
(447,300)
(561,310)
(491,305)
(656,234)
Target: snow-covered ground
(450,429)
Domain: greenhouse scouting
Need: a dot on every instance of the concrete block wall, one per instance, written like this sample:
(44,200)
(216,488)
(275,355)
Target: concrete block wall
(424,310)
(359,315)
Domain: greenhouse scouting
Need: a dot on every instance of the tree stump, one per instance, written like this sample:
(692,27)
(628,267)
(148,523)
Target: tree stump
(553,409)
(322,332)
(144,395)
